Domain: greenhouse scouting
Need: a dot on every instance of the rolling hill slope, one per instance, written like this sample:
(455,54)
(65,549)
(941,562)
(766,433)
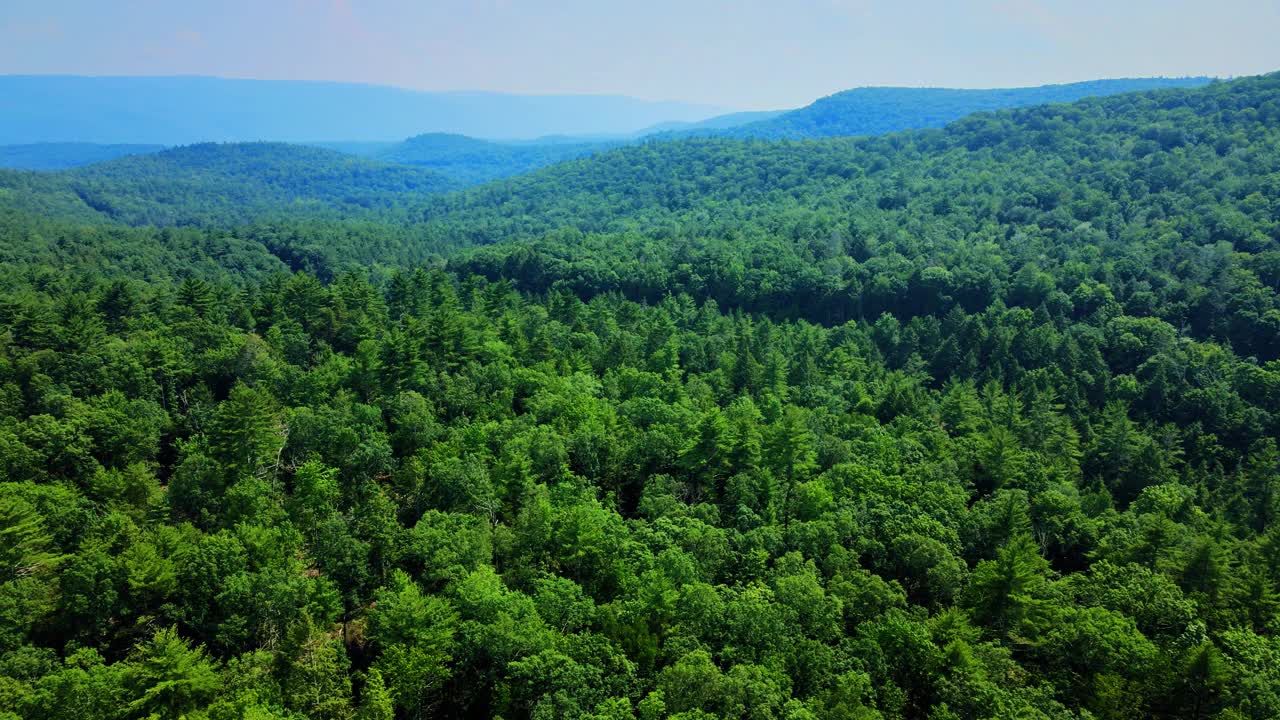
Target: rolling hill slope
(879,110)
(844,228)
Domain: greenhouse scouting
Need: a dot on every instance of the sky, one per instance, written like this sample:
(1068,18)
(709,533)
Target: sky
(738,54)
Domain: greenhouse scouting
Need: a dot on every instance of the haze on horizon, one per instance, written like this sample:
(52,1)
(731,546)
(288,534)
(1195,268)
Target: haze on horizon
(741,55)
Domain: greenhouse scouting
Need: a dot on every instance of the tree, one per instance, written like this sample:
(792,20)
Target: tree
(318,682)
(246,434)
(375,700)
(415,635)
(26,548)
(790,454)
(1010,594)
(706,458)
(692,683)
(167,678)
(1204,678)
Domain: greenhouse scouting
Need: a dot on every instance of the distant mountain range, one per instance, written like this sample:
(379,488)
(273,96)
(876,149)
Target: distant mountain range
(863,111)
(62,155)
(182,110)
(453,159)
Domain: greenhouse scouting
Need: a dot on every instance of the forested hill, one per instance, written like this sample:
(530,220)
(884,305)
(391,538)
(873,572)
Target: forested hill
(222,184)
(973,423)
(842,229)
(880,110)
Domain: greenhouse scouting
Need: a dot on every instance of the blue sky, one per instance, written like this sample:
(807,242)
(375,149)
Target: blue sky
(745,54)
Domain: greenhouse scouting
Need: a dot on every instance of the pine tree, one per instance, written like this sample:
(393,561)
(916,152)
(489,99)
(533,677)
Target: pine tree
(197,295)
(167,678)
(1009,594)
(318,683)
(25,544)
(707,456)
(247,434)
(375,700)
(790,450)
(1203,676)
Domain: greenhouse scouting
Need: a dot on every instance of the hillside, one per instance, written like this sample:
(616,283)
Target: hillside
(182,110)
(222,184)
(840,221)
(973,422)
(880,110)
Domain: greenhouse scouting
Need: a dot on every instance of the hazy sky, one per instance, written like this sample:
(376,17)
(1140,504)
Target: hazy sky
(740,54)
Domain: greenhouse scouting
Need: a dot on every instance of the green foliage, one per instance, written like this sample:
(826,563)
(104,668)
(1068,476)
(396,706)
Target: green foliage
(415,634)
(167,678)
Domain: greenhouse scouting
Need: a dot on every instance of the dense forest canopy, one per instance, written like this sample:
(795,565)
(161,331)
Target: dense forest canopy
(978,422)
(1138,187)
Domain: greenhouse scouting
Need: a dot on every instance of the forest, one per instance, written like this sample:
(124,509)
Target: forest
(970,422)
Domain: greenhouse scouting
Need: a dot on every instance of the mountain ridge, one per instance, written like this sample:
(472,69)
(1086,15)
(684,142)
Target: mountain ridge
(876,110)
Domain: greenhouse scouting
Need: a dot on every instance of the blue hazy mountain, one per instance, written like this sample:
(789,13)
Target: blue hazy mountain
(62,155)
(182,110)
(719,122)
